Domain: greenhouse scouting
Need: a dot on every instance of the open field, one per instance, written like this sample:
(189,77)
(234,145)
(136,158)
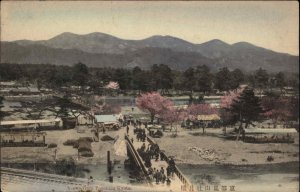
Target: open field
(183,147)
(44,154)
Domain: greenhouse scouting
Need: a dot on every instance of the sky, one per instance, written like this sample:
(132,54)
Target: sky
(272,25)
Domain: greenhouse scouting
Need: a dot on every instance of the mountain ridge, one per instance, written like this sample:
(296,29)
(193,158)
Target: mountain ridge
(166,49)
(64,34)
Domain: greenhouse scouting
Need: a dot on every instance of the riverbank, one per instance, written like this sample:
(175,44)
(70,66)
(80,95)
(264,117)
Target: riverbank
(193,147)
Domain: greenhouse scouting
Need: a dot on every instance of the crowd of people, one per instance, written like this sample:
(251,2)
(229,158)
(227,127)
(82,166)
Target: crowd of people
(149,152)
(152,151)
(140,134)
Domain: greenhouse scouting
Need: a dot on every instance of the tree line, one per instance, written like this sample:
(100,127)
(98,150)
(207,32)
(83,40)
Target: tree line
(159,77)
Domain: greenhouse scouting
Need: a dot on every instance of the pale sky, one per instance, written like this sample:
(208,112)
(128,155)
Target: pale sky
(273,25)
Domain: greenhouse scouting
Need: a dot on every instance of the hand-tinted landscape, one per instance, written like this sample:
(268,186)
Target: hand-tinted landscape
(103,50)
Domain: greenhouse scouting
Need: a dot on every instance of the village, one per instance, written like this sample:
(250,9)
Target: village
(93,134)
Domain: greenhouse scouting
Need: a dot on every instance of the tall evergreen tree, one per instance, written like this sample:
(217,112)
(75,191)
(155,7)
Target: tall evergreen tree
(189,80)
(80,74)
(2,114)
(280,80)
(246,109)
(223,79)
(236,78)
(261,79)
(203,78)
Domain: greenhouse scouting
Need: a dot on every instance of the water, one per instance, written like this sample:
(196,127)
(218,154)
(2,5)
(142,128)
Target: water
(246,178)
(130,101)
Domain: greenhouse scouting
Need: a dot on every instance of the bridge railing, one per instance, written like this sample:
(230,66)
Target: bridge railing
(188,186)
(138,160)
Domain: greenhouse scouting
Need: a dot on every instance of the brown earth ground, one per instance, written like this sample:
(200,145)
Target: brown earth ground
(44,154)
(225,151)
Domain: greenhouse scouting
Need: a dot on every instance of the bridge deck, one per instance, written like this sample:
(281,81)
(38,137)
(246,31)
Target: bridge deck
(176,183)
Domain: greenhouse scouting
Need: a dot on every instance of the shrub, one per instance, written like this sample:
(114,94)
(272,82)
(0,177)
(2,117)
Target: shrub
(52,145)
(87,153)
(89,139)
(70,142)
(270,158)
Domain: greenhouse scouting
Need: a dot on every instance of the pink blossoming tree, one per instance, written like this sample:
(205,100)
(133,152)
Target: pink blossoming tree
(112,85)
(153,103)
(277,109)
(173,115)
(225,104)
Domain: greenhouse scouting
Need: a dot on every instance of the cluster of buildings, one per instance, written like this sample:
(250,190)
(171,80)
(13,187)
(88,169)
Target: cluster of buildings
(13,89)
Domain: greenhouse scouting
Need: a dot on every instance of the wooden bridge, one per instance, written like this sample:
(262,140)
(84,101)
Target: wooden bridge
(179,181)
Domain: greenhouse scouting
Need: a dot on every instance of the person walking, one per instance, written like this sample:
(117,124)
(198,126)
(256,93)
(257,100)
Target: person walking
(156,156)
(168,171)
(168,181)
(162,170)
(163,179)
(156,177)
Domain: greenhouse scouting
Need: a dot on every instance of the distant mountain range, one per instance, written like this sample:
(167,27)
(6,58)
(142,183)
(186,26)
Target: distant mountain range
(103,50)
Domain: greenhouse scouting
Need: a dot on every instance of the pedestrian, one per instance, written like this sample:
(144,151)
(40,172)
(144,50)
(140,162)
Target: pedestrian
(168,171)
(156,156)
(161,154)
(147,160)
(172,162)
(159,176)
(131,140)
(163,179)
(143,147)
(168,181)
(156,176)
(162,170)
(143,136)
(127,129)
(150,171)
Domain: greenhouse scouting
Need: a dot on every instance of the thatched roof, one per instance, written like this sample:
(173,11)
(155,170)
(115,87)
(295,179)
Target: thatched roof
(107,138)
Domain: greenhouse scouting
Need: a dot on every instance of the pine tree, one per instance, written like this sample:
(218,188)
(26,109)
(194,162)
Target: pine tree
(246,109)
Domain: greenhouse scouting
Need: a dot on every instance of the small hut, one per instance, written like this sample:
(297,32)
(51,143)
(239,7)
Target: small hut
(212,120)
(108,121)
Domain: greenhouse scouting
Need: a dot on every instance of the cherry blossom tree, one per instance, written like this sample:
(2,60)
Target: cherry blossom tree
(277,109)
(200,109)
(230,96)
(154,103)
(173,115)
(112,85)
(225,104)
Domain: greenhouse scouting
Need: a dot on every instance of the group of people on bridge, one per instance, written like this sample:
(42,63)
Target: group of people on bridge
(140,134)
(152,151)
